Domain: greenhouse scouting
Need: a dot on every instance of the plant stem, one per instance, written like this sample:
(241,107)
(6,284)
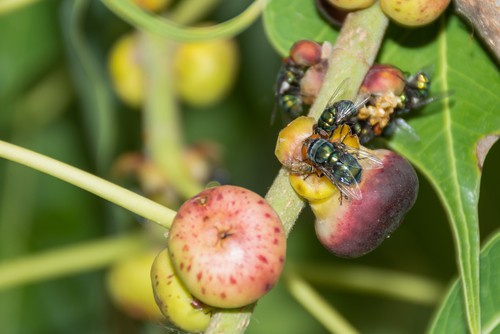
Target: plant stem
(401,286)
(188,11)
(131,13)
(100,187)
(354,52)
(68,260)
(162,126)
(90,81)
(316,305)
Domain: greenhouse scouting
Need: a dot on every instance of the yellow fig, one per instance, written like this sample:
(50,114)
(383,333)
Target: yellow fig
(130,289)
(351,4)
(174,300)
(206,70)
(125,70)
(414,13)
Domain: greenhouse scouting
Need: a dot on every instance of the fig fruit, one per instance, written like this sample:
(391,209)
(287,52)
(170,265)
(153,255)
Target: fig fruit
(305,53)
(355,227)
(414,13)
(206,70)
(290,139)
(125,70)
(174,300)
(351,4)
(227,245)
(129,286)
(383,79)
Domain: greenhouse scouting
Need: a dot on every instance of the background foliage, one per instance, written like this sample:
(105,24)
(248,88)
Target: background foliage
(39,213)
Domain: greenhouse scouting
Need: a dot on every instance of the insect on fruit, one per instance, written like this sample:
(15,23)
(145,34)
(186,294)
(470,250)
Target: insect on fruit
(336,114)
(393,94)
(288,90)
(341,164)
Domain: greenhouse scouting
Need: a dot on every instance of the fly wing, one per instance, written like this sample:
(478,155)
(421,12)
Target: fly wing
(344,110)
(365,158)
(338,91)
(403,125)
(349,189)
(347,109)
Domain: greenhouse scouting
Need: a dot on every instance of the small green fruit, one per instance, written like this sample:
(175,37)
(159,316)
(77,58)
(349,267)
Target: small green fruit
(206,71)
(125,70)
(129,286)
(174,300)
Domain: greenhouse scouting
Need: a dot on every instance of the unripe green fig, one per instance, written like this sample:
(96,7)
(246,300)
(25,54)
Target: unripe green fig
(174,300)
(129,286)
(206,70)
(127,76)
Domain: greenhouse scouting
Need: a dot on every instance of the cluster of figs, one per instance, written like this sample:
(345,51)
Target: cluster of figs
(227,246)
(359,196)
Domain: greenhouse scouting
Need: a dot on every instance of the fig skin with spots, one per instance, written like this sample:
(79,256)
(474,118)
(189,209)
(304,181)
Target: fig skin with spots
(227,246)
(174,300)
(414,13)
(355,228)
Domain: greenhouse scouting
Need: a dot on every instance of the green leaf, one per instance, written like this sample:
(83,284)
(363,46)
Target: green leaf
(450,317)
(287,21)
(27,52)
(450,130)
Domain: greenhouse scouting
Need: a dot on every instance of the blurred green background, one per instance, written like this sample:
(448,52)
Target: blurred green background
(40,213)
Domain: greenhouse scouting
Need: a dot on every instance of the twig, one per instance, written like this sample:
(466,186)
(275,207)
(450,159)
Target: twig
(356,48)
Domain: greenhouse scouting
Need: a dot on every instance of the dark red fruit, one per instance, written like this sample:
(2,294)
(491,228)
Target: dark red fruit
(305,53)
(353,228)
(383,79)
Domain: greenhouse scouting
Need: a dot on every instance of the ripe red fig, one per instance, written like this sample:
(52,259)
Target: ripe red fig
(305,52)
(353,228)
(383,79)
(227,246)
